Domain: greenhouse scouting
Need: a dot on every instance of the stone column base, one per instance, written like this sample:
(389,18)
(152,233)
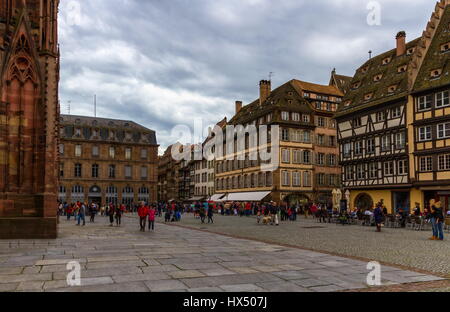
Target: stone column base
(28,228)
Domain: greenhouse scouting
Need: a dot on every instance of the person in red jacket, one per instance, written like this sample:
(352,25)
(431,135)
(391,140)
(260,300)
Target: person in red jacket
(143,213)
(151,218)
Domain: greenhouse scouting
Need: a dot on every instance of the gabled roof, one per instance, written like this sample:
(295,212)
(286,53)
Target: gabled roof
(364,84)
(288,96)
(340,81)
(435,59)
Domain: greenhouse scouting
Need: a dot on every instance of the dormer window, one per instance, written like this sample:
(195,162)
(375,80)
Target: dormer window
(410,51)
(306,95)
(364,69)
(368,96)
(387,60)
(436,73)
(392,88)
(402,69)
(291,93)
(289,102)
(377,78)
(445,47)
(347,103)
(356,85)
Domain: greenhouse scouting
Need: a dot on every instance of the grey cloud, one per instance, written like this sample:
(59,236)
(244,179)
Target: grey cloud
(162,62)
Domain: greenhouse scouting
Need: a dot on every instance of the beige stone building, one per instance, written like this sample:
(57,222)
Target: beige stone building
(107,161)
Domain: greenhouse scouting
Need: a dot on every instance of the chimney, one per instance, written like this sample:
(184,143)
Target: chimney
(238,106)
(401,43)
(264,90)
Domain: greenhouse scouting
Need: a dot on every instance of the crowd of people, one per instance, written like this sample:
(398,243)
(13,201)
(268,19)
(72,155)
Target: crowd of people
(266,213)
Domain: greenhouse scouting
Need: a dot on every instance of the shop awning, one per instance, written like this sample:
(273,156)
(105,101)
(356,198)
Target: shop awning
(216,197)
(248,196)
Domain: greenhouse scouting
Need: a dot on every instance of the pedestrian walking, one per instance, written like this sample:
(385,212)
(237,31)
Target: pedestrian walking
(118,215)
(111,211)
(202,214)
(142,213)
(151,218)
(82,215)
(210,215)
(437,220)
(378,216)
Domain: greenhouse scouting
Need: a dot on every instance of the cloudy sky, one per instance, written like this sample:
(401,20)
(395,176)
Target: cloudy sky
(163,63)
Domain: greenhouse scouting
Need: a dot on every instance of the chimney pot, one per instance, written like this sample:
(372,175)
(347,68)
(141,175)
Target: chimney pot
(265,89)
(238,106)
(401,43)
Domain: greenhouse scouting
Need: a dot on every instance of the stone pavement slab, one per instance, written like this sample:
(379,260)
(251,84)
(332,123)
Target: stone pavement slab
(177,259)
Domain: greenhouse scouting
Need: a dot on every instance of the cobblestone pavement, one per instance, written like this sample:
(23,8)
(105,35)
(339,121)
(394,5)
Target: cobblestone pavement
(177,259)
(395,246)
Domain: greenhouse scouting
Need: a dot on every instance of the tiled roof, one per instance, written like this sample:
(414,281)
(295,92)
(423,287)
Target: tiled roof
(365,90)
(288,96)
(435,59)
(107,123)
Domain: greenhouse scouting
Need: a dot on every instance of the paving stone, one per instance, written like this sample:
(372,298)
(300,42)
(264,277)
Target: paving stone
(28,286)
(113,259)
(289,267)
(165,285)
(244,270)
(292,275)
(282,287)
(10,271)
(329,288)
(25,278)
(32,270)
(55,284)
(265,268)
(8,287)
(310,282)
(198,266)
(205,290)
(186,274)
(217,272)
(242,288)
(58,261)
(106,265)
(333,264)
(140,277)
(160,268)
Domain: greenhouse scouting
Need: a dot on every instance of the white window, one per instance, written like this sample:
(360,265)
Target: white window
(144,172)
(306,118)
(296,178)
(402,167)
(307,179)
(444,162)
(386,143)
(77,150)
(95,151)
(400,140)
(127,171)
(297,156)
(332,160)
(361,172)
(389,168)
(373,170)
(61,149)
(349,173)
(269,118)
(286,156)
(396,112)
(333,124)
(347,149)
(112,152)
(144,153)
(128,153)
(321,122)
(320,159)
(306,157)
(307,137)
(425,133)
(286,178)
(370,146)
(359,148)
(443,131)
(424,102)
(285,135)
(426,164)
(380,116)
(285,115)
(295,116)
(442,99)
